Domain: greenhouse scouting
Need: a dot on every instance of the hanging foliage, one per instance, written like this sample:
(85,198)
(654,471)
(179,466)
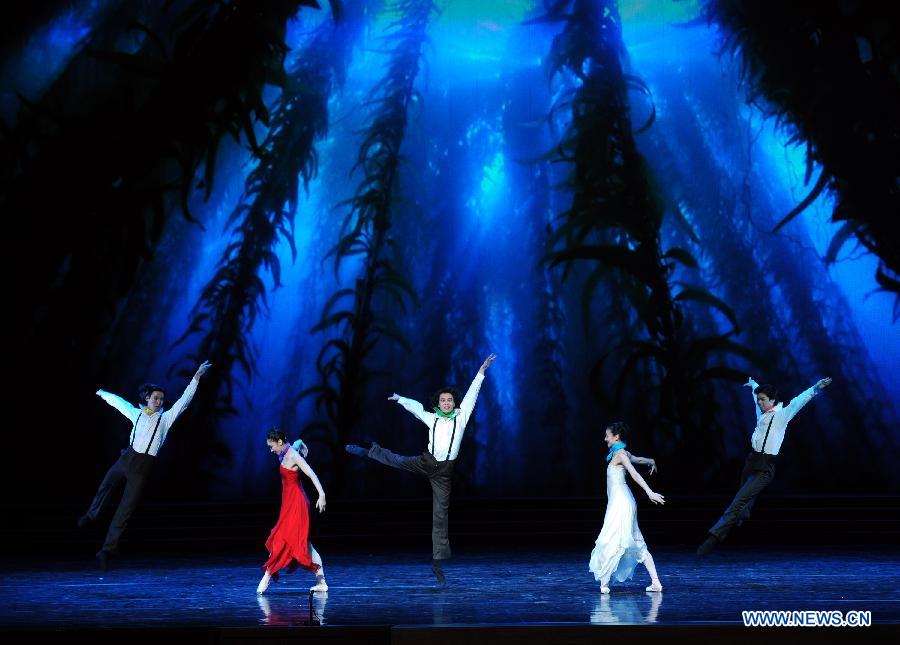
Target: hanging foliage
(829,70)
(236,294)
(352,312)
(807,311)
(122,158)
(614,224)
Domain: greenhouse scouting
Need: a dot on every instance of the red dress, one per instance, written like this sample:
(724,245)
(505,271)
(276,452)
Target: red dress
(288,543)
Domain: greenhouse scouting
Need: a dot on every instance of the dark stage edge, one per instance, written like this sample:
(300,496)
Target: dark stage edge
(496,595)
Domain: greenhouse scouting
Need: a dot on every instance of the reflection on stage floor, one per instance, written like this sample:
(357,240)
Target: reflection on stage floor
(488,587)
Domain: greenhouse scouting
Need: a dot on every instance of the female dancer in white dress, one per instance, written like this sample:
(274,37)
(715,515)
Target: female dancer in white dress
(620,546)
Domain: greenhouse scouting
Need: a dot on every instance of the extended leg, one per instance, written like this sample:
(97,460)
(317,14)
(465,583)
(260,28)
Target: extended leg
(747,473)
(440,517)
(111,481)
(751,488)
(745,514)
(137,479)
(388,458)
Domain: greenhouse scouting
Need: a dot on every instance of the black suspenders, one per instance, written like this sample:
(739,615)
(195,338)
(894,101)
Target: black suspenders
(152,437)
(134,429)
(763,450)
(452,435)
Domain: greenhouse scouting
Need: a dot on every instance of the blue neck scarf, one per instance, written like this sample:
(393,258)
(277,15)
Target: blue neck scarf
(613,448)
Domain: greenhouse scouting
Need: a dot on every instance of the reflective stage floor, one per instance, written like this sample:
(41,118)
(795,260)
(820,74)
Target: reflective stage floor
(375,596)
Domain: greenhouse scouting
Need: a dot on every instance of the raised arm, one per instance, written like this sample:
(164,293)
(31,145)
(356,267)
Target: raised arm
(467,406)
(643,461)
(415,408)
(120,404)
(753,385)
(309,472)
(184,400)
(792,408)
(656,498)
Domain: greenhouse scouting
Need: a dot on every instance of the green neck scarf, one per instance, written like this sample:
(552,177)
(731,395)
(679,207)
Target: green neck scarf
(446,415)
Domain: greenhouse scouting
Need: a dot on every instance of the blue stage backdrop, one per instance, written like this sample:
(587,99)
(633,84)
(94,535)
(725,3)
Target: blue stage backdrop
(419,186)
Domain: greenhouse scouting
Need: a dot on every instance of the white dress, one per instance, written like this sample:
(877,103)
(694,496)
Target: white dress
(620,546)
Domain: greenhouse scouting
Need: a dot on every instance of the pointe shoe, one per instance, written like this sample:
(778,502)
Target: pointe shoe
(359,451)
(263,584)
(604,589)
(102,559)
(654,587)
(320,585)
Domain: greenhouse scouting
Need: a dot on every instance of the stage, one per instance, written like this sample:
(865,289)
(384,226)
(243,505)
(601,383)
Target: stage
(505,595)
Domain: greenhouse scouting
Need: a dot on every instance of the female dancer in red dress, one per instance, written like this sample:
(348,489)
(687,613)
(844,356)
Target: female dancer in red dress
(288,543)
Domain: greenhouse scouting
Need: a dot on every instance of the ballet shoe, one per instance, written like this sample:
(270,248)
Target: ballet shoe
(319,586)
(102,559)
(654,588)
(604,589)
(263,584)
(359,451)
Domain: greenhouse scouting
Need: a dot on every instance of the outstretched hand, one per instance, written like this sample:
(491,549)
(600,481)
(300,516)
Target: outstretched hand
(202,369)
(320,503)
(487,363)
(822,384)
(656,498)
(393,397)
(652,466)
(301,447)
(749,382)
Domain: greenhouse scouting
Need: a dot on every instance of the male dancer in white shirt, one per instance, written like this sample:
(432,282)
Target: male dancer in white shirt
(759,469)
(150,426)
(447,424)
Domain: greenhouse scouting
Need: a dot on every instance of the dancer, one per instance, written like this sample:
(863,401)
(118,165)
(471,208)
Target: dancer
(759,468)
(150,428)
(620,546)
(447,424)
(288,543)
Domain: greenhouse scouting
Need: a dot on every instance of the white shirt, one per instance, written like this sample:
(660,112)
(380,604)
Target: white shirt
(445,436)
(779,416)
(142,432)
